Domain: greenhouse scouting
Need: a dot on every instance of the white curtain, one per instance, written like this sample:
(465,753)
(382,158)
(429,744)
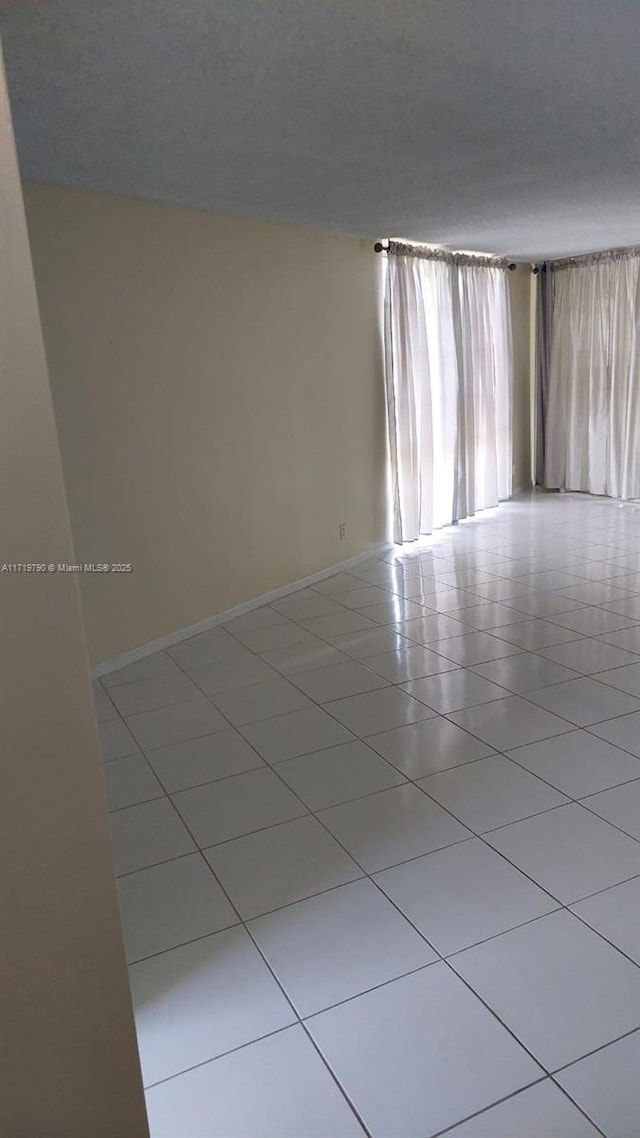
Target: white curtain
(592,423)
(448,374)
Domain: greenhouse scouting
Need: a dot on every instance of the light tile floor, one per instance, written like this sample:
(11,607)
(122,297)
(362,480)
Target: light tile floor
(378,844)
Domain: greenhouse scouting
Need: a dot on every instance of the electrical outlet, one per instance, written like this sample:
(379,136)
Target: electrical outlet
(342,531)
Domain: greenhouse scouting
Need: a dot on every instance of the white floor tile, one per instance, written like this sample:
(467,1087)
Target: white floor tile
(607,1088)
(206,759)
(105,710)
(338,624)
(475,648)
(569,852)
(146,834)
(502,590)
(409,664)
(278,636)
(159,664)
(623,732)
(329,948)
(326,778)
(337,583)
(260,701)
(585,701)
(421,749)
(130,781)
(170,904)
(577,763)
(210,647)
(428,630)
(601,571)
(420,1054)
(365,597)
(557,985)
(542,1111)
(393,610)
(310,605)
(264,616)
(235,806)
(510,722)
(280,865)
(615,914)
(453,691)
(414,588)
(620,806)
(176,724)
(592,621)
(373,642)
(525,671)
(491,792)
(627,562)
(116,741)
(427,592)
(385,573)
(162,691)
(587,656)
(629,584)
(627,638)
(599,593)
(543,605)
(201,1000)
(225,675)
(626,678)
(292,1095)
(303,657)
(490,895)
(466,578)
(629,607)
(456,602)
(533,635)
(297,733)
(384,829)
(338,681)
(378,711)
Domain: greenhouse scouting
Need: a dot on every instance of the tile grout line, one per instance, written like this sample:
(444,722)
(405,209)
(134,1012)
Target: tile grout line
(412,782)
(363,739)
(479,1113)
(442,959)
(423,937)
(244,925)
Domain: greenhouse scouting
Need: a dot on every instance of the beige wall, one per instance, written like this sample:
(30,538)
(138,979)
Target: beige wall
(520,285)
(68,1059)
(218,390)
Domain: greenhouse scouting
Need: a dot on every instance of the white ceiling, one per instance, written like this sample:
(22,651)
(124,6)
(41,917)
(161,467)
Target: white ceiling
(508,126)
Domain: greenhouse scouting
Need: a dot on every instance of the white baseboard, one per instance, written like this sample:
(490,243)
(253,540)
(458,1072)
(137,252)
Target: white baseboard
(143,650)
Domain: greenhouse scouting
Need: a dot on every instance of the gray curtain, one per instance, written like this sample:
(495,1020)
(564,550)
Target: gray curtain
(544,312)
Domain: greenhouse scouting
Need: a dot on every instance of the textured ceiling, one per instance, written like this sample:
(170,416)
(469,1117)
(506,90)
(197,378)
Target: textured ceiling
(509,126)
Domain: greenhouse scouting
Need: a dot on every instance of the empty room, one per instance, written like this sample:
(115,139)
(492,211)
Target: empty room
(320,568)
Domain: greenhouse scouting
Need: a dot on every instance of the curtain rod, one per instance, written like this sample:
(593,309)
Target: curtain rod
(620,254)
(404,248)
(552,264)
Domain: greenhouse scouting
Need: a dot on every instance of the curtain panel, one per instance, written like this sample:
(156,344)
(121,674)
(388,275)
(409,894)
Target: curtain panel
(592,421)
(448,381)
